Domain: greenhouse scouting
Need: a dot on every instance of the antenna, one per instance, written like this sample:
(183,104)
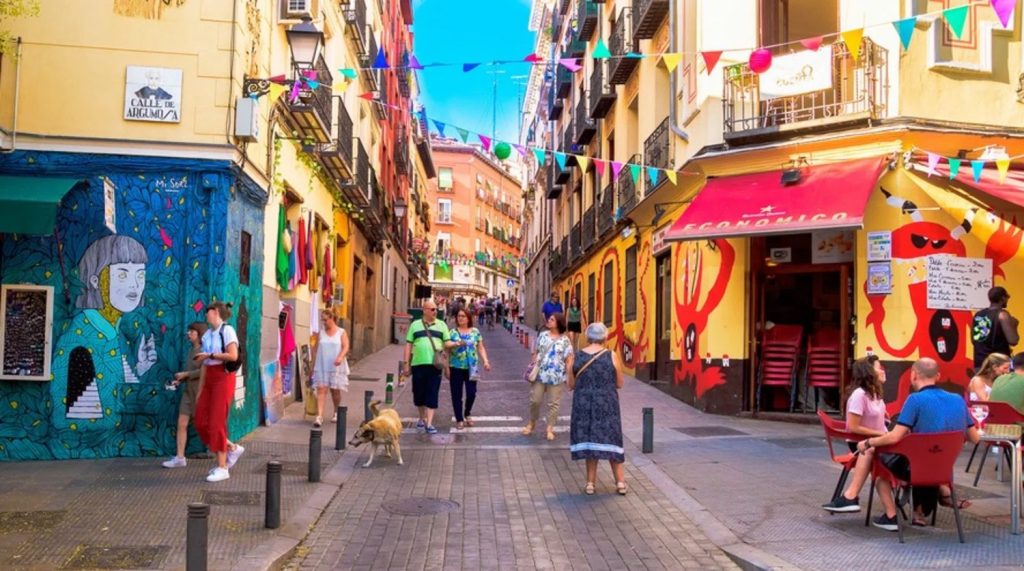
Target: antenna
(494,100)
(519,80)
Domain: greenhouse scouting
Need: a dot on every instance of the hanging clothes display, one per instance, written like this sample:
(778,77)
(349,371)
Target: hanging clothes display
(301,249)
(314,247)
(281,265)
(328,285)
(309,244)
(314,314)
(287,335)
(292,262)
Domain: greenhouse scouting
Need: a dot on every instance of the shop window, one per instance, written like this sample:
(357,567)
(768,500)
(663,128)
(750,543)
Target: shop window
(245,258)
(606,305)
(630,296)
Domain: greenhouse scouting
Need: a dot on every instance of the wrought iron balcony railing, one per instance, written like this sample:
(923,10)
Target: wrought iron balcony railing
(602,93)
(576,243)
(627,189)
(563,87)
(554,189)
(355,19)
(366,61)
(859,93)
(658,152)
(588,229)
(337,156)
(647,17)
(402,76)
(606,211)
(311,115)
(586,127)
(621,43)
(587,15)
(555,108)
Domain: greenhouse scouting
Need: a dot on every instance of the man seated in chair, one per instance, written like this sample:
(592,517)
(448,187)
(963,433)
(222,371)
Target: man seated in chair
(1009,388)
(928,410)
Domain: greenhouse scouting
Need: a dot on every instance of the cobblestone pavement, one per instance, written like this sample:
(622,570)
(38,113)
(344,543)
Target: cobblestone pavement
(518,501)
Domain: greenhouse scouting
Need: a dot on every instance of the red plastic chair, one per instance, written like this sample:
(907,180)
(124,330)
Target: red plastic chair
(932,458)
(824,362)
(836,430)
(780,355)
(998,413)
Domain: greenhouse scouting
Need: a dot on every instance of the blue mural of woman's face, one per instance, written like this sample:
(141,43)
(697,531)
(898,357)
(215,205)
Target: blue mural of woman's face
(127,282)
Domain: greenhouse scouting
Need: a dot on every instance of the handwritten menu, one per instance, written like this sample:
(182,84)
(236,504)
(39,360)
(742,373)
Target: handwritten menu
(958,283)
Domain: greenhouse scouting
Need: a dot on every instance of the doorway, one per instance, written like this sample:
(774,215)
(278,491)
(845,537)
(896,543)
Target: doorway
(662,373)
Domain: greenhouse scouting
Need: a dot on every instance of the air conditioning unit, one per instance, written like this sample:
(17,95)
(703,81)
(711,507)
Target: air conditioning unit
(295,10)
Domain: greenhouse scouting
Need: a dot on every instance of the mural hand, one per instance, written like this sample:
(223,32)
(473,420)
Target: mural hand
(147,356)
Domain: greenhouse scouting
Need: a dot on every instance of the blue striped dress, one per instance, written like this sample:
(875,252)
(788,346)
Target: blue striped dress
(595,430)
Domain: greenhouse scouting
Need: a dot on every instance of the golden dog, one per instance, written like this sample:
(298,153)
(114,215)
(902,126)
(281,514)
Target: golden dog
(384,429)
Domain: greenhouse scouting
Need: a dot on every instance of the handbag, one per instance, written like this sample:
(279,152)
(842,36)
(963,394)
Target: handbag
(533,372)
(230,366)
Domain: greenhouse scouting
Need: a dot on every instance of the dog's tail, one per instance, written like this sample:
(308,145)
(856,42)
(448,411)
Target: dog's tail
(375,407)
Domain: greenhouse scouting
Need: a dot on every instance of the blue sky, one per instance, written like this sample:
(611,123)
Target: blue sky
(461,31)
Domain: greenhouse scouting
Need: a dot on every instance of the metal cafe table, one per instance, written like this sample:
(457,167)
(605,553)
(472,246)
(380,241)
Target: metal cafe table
(1009,435)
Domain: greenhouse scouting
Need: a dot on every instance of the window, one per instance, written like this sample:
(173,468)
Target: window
(444,211)
(444,241)
(477,249)
(607,303)
(630,310)
(245,257)
(444,178)
(591,282)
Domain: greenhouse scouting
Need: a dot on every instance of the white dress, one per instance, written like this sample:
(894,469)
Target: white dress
(325,374)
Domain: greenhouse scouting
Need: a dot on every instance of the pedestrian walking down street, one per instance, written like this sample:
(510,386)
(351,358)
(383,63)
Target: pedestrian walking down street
(576,320)
(427,339)
(190,377)
(551,307)
(552,355)
(595,430)
(219,344)
(330,365)
(467,355)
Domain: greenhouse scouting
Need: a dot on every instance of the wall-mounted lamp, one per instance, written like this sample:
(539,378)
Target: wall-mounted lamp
(304,40)
(400,207)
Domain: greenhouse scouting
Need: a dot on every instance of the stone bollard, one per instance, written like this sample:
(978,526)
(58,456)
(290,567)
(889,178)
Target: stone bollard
(316,436)
(196,537)
(272,509)
(339,428)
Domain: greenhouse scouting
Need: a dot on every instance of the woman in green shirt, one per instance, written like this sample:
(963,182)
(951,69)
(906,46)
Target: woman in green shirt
(575,320)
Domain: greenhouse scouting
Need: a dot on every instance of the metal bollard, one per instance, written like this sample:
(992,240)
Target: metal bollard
(339,429)
(196,536)
(389,389)
(367,398)
(272,511)
(316,436)
(648,444)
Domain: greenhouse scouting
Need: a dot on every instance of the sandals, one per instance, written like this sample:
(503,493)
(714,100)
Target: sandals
(551,434)
(621,488)
(318,422)
(947,502)
(528,430)
(460,425)
(469,421)
(589,490)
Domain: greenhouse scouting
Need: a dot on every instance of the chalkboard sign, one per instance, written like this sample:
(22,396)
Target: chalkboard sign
(26,312)
(958,283)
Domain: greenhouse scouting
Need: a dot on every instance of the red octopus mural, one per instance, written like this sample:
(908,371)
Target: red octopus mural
(692,315)
(937,333)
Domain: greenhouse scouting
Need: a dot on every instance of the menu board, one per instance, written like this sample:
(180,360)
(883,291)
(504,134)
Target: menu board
(958,283)
(26,319)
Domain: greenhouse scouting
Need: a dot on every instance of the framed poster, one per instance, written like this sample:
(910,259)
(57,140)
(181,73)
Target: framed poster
(26,313)
(152,94)
(879,278)
(879,246)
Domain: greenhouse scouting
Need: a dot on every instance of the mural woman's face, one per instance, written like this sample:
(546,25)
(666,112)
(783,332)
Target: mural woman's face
(127,282)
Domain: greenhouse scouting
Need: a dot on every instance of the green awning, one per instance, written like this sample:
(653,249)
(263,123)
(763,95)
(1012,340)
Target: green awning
(28,204)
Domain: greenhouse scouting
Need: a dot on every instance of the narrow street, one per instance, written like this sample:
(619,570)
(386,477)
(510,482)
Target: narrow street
(489,497)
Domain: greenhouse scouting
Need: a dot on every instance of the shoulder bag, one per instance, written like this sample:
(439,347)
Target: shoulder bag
(440,357)
(592,359)
(230,366)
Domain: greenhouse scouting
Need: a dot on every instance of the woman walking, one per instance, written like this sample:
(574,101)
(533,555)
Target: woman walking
(190,377)
(552,355)
(426,339)
(575,320)
(219,345)
(595,431)
(330,365)
(980,387)
(467,353)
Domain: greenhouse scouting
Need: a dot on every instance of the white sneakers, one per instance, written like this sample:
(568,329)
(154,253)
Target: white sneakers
(234,455)
(176,462)
(218,475)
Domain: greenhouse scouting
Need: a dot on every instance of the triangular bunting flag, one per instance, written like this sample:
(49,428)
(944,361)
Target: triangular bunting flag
(933,161)
(278,79)
(616,168)
(671,60)
(634,55)
(600,50)
(976,168)
(382,61)
(539,153)
(599,166)
(532,58)
(367,96)
(1004,9)
(462,133)
(560,159)
(414,63)
(652,173)
(671,174)
(954,167)
(440,127)
(348,72)
(905,29)
(294,95)
(955,18)
(1004,166)
(276,91)
(634,171)
(313,84)
(570,64)
(341,85)
(309,74)
(583,162)
(812,43)
(520,149)
(852,39)
(710,60)
(485,141)
(469,66)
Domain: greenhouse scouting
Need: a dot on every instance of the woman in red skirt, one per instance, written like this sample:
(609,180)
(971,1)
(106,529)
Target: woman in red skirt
(219,344)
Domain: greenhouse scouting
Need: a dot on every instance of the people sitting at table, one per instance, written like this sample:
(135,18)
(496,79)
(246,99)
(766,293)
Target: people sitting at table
(865,415)
(980,387)
(1009,388)
(928,410)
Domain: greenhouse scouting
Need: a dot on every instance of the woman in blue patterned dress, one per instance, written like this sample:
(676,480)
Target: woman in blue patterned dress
(467,353)
(553,353)
(595,431)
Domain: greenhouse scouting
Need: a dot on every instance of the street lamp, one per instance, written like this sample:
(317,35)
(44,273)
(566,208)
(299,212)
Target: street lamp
(400,208)
(305,41)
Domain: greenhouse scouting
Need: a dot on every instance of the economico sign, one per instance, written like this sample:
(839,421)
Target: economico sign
(796,74)
(769,223)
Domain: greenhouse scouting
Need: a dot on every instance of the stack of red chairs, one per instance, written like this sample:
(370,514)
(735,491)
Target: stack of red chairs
(824,362)
(780,356)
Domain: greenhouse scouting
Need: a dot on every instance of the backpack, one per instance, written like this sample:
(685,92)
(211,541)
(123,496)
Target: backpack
(230,366)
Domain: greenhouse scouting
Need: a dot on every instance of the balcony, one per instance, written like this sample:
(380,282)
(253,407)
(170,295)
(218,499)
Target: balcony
(858,94)
(357,188)
(553,189)
(402,75)
(589,231)
(563,86)
(577,48)
(337,157)
(627,189)
(647,17)
(555,108)
(586,127)
(563,6)
(620,43)
(587,15)
(658,152)
(602,93)
(576,243)
(402,157)
(563,176)
(355,19)
(366,61)
(605,211)
(563,252)
(311,116)
(380,106)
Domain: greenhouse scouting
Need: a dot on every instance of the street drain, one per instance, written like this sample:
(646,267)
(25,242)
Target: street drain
(705,431)
(117,557)
(21,522)
(231,498)
(419,506)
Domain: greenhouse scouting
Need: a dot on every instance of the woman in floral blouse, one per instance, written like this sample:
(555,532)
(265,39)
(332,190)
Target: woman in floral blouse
(553,352)
(467,352)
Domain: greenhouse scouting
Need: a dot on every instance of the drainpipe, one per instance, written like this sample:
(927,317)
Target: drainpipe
(673,78)
(17,98)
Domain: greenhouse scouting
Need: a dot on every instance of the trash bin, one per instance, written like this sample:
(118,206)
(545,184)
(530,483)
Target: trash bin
(400,326)
(416,313)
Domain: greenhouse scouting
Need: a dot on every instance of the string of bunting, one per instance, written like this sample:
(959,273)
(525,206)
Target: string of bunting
(933,160)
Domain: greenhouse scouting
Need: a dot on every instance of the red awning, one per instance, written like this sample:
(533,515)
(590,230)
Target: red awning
(826,196)
(1010,190)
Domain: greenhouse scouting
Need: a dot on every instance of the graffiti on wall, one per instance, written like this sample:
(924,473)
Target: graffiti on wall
(149,9)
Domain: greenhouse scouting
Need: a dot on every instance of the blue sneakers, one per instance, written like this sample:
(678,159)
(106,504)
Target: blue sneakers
(431,430)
